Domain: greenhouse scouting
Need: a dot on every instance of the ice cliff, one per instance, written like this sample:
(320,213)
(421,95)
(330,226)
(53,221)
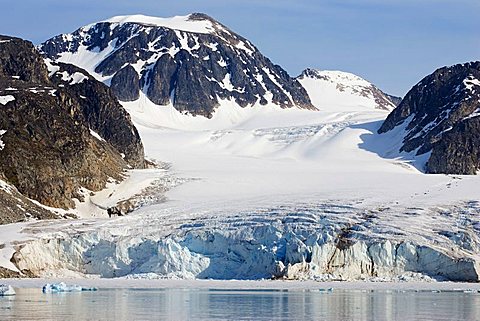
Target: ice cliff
(311,241)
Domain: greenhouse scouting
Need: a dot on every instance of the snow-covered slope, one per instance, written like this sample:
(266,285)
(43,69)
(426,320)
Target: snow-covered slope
(343,91)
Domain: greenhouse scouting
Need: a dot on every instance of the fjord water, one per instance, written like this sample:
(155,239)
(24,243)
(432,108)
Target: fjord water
(205,304)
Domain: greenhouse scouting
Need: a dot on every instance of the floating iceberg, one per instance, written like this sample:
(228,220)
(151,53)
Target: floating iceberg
(6,290)
(63,287)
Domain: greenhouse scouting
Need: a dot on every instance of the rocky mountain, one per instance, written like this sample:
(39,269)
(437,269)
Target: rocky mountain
(336,90)
(441,115)
(192,62)
(396,100)
(60,130)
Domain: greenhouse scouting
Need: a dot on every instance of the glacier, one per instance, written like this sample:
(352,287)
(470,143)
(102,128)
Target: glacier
(319,241)
(264,194)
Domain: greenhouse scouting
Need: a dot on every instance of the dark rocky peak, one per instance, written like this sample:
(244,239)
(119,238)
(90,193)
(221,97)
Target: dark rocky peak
(192,62)
(59,134)
(312,73)
(395,99)
(440,115)
(19,60)
(199,16)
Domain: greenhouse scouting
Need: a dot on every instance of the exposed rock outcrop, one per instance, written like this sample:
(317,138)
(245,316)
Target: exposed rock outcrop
(60,128)
(441,115)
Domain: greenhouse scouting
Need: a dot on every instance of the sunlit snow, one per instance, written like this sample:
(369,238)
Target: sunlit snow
(6,99)
(183,23)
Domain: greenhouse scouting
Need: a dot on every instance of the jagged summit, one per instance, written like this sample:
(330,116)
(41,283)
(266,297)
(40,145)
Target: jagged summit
(334,75)
(337,90)
(191,62)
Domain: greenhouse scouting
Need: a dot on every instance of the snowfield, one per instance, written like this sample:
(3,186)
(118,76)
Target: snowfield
(262,192)
(332,90)
(183,23)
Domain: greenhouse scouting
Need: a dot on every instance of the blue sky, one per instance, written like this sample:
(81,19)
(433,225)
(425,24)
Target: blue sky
(392,43)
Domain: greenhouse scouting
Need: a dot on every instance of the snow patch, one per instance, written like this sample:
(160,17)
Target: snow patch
(75,78)
(96,135)
(470,83)
(2,144)
(52,69)
(72,79)
(222,63)
(476,113)
(6,99)
(242,46)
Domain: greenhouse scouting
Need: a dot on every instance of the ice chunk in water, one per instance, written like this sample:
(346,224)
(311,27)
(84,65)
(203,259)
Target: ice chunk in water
(6,290)
(63,287)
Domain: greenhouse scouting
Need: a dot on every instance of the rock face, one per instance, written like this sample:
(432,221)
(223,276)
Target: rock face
(101,110)
(395,100)
(342,90)
(441,115)
(60,129)
(193,62)
(126,84)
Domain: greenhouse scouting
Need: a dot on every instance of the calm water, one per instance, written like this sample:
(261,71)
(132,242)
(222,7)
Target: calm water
(191,304)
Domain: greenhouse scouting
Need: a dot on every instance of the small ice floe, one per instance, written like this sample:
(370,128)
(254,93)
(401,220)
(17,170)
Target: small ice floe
(63,287)
(6,290)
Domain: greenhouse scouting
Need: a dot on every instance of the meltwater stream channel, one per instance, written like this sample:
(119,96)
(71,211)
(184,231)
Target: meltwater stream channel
(210,304)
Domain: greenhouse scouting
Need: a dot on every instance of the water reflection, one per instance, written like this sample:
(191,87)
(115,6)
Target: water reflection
(189,304)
